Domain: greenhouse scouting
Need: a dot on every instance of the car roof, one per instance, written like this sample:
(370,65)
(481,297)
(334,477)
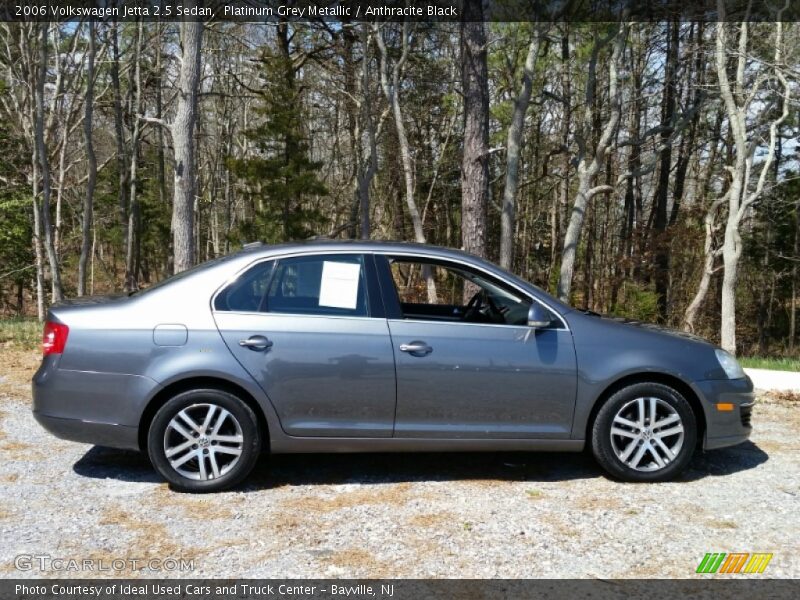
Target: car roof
(353,246)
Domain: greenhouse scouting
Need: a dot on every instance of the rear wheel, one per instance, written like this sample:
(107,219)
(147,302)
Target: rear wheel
(204,441)
(644,432)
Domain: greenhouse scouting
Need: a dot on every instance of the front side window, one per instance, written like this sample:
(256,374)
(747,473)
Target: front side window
(310,285)
(439,292)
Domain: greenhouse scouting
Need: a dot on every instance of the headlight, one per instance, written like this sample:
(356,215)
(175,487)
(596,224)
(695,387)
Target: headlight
(728,363)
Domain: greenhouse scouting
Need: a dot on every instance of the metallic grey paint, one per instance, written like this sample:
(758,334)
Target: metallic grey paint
(342,384)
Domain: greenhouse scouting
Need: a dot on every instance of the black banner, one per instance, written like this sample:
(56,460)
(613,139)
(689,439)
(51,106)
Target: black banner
(392,589)
(270,11)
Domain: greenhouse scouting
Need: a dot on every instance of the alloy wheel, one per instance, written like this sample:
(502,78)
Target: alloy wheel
(647,434)
(203,441)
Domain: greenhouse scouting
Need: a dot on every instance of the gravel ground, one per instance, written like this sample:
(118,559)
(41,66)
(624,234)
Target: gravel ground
(462,515)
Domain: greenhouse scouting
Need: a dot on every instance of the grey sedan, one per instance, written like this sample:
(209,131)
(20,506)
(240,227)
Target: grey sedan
(375,347)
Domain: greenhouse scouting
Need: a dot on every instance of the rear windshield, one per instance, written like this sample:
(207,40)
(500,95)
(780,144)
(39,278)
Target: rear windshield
(182,275)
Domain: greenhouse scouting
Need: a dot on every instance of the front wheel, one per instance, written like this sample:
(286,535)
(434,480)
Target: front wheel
(644,432)
(204,441)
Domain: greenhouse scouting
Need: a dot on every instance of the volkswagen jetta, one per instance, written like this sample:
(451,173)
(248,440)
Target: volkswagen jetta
(369,346)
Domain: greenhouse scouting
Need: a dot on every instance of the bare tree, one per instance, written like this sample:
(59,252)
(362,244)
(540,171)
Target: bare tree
(738,101)
(91,157)
(589,163)
(475,160)
(132,236)
(44,165)
(514,151)
(182,129)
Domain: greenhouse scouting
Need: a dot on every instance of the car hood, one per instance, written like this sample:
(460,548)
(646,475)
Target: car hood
(651,327)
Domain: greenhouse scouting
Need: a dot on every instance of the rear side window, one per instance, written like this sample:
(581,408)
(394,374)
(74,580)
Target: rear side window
(309,285)
(319,285)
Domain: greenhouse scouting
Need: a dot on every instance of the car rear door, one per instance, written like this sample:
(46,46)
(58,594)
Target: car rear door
(458,379)
(311,331)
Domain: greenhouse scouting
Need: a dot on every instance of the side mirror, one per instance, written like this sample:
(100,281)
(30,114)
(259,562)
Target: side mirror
(538,316)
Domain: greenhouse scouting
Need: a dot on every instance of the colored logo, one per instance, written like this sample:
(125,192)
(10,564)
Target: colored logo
(735,562)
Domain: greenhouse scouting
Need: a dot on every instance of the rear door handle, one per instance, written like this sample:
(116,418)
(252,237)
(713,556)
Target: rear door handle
(416,348)
(256,342)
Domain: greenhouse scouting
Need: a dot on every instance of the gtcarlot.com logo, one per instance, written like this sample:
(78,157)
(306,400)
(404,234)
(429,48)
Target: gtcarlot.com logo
(46,562)
(735,562)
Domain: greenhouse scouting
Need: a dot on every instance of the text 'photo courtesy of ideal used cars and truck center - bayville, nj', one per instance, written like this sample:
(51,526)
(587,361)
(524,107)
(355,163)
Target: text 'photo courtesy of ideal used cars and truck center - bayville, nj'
(341,298)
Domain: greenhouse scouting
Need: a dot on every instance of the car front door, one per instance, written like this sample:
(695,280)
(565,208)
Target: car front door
(313,335)
(468,365)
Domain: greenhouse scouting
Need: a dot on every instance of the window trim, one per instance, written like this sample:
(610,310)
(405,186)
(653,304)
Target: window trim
(373,301)
(392,299)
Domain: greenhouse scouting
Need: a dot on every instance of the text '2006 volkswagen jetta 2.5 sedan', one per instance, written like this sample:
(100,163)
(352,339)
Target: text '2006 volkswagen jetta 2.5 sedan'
(375,347)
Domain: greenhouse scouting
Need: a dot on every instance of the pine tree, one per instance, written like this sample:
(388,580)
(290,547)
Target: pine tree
(281,178)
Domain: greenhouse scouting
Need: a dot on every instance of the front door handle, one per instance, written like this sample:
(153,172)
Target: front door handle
(416,348)
(256,342)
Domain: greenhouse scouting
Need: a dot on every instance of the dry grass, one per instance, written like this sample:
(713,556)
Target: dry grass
(534,494)
(356,558)
(18,367)
(597,503)
(783,397)
(438,520)
(149,539)
(722,524)
(396,494)
(201,508)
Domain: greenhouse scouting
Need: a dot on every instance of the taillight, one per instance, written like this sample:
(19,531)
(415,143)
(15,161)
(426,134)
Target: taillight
(54,338)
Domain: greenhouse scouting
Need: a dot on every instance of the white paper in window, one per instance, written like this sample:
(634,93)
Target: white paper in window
(339,285)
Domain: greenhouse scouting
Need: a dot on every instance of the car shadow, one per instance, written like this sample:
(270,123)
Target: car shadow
(332,469)
(725,461)
(112,463)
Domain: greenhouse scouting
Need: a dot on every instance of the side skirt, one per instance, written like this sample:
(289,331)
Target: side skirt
(297,445)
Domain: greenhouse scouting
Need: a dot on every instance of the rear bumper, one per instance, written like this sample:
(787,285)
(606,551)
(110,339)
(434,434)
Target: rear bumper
(101,434)
(90,407)
(727,428)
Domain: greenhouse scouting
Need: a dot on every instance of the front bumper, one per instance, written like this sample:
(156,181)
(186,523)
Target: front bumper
(730,427)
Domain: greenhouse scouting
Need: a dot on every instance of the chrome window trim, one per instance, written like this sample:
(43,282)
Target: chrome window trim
(387,254)
(489,274)
(275,257)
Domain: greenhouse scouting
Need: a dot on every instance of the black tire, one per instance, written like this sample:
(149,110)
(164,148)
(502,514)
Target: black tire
(198,400)
(603,447)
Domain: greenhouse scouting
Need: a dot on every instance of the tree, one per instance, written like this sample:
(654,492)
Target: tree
(43,160)
(514,151)
(475,161)
(88,201)
(589,163)
(281,176)
(182,130)
(739,198)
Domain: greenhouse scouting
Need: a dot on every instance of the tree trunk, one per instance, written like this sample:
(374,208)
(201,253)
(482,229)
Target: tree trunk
(88,199)
(793,304)
(475,160)
(119,135)
(132,237)
(513,152)
(44,164)
(665,159)
(366,175)
(182,128)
